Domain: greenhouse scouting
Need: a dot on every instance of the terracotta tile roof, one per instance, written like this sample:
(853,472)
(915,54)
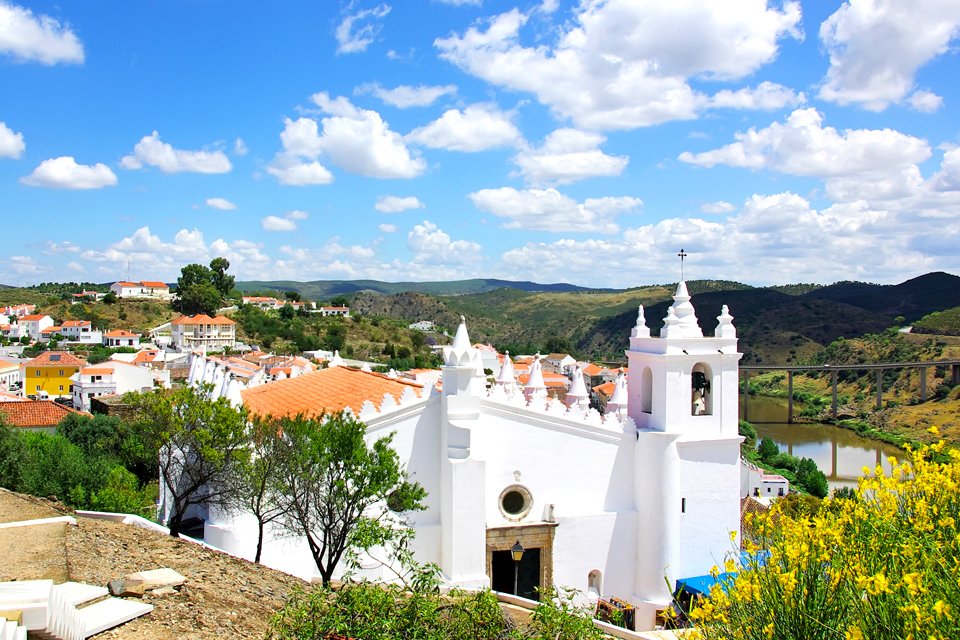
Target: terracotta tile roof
(592,369)
(331,389)
(76,323)
(203,319)
(55,359)
(119,333)
(33,318)
(35,413)
(124,283)
(96,371)
(52,329)
(605,389)
(550,380)
(153,284)
(145,356)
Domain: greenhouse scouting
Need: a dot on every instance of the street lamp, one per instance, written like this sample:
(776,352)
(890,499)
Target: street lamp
(516,552)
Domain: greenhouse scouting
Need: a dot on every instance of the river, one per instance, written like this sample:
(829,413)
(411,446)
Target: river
(840,453)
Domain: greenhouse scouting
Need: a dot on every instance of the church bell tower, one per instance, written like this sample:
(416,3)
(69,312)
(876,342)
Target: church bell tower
(683,398)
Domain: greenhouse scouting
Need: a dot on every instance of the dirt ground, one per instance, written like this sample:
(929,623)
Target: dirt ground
(223,597)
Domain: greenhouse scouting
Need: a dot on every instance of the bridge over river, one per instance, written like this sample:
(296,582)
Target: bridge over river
(879,368)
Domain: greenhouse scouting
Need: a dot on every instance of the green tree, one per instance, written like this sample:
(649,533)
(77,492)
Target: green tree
(335,487)
(768,449)
(110,436)
(292,296)
(260,478)
(201,447)
(11,456)
(287,312)
(110,298)
(219,278)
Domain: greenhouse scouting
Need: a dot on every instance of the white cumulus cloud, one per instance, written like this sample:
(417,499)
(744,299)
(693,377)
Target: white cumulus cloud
(925,101)
(27,38)
(477,128)
(396,204)
(802,146)
(359,141)
(877,46)
(387,228)
(432,245)
(550,210)
(767,96)
(357,31)
(221,203)
(717,208)
(623,64)
(568,155)
(153,152)
(405,96)
(287,223)
(11,143)
(65,173)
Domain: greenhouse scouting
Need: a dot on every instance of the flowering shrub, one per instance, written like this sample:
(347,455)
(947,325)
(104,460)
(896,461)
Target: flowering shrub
(881,563)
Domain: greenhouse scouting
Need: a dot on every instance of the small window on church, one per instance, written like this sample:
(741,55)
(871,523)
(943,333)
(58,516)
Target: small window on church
(515,502)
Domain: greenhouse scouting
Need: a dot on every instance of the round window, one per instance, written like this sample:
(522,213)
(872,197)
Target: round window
(515,502)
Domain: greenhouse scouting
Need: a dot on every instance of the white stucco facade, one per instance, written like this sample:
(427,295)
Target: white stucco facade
(615,505)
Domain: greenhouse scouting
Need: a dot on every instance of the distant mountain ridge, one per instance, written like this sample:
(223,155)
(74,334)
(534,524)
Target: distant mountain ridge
(329,288)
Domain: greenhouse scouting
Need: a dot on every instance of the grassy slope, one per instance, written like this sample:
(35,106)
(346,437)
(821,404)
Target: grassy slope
(946,322)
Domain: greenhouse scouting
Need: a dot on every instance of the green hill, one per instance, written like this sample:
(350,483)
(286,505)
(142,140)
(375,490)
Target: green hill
(321,289)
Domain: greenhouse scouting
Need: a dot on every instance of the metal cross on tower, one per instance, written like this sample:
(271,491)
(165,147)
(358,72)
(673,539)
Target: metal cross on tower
(683,254)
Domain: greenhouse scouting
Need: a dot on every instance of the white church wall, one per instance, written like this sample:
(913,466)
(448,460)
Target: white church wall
(710,475)
(417,442)
(568,465)
(604,543)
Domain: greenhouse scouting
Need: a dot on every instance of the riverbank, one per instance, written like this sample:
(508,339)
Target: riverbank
(841,453)
(902,421)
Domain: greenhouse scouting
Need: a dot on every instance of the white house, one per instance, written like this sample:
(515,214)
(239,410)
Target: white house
(80,331)
(148,289)
(18,310)
(623,504)
(33,325)
(11,378)
(201,331)
(756,482)
(423,325)
(121,338)
(343,312)
(561,363)
(108,378)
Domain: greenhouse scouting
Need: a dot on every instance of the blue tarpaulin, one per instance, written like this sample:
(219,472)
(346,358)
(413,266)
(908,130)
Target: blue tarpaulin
(701,585)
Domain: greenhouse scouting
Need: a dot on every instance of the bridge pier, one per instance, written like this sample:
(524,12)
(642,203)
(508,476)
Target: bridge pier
(789,397)
(923,384)
(879,389)
(746,396)
(833,383)
(955,374)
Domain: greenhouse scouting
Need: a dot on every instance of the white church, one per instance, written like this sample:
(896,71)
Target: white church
(623,504)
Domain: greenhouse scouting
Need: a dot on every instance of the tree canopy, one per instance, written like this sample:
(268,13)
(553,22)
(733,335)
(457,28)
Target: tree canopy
(336,487)
(202,445)
(201,289)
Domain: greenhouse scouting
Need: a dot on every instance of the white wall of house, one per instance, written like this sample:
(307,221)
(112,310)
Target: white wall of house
(108,378)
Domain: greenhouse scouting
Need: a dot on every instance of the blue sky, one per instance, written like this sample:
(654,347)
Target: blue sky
(584,142)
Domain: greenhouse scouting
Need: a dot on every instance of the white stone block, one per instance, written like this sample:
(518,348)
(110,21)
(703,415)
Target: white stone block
(108,614)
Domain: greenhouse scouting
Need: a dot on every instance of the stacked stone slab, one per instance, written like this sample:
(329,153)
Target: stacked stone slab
(69,611)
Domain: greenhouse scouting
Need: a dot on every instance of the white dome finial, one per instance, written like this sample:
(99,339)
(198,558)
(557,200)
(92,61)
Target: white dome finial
(640,330)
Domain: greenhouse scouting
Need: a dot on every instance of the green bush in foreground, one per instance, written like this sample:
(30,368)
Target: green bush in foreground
(394,612)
